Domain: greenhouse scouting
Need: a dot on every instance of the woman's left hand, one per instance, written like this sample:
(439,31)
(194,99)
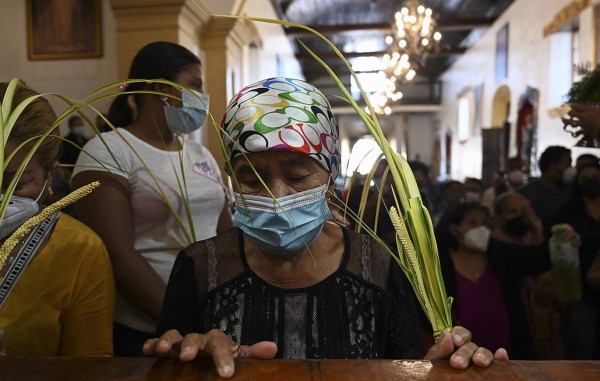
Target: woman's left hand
(457,346)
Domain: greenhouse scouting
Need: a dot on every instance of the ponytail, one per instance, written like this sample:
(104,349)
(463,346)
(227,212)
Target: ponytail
(120,113)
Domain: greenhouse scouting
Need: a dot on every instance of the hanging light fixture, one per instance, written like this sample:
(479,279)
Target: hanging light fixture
(413,39)
(414,34)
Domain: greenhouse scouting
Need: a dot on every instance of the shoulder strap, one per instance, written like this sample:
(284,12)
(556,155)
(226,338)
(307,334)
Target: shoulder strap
(30,247)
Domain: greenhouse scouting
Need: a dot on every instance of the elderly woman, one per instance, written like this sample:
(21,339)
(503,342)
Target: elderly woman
(290,281)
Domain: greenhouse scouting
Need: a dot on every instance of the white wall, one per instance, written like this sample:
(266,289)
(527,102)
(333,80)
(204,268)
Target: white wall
(74,78)
(275,57)
(529,59)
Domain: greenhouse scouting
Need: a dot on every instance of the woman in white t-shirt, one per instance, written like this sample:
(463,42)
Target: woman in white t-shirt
(150,160)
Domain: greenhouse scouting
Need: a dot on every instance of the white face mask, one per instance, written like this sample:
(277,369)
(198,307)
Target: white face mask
(471,196)
(515,178)
(569,175)
(78,131)
(19,210)
(478,238)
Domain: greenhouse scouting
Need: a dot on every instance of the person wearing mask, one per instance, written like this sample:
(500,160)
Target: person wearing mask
(473,189)
(550,193)
(482,269)
(74,141)
(508,181)
(580,321)
(291,285)
(159,189)
(58,297)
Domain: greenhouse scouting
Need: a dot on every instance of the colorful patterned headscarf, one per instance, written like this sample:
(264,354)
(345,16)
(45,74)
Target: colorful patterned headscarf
(282,114)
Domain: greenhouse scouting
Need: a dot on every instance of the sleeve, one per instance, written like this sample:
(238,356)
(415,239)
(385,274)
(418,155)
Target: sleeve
(405,335)
(107,153)
(180,307)
(87,322)
(525,260)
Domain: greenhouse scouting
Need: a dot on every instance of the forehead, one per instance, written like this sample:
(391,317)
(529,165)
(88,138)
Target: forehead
(514,201)
(474,214)
(589,172)
(11,167)
(192,72)
(282,160)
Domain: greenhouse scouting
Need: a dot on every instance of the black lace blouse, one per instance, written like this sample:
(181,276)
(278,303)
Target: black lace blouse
(366,309)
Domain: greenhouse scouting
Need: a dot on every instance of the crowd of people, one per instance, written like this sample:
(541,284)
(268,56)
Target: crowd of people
(160,261)
(494,247)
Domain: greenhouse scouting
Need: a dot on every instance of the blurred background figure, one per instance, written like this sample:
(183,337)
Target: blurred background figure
(76,139)
(473,189)
(586,158)
(482,273)
(580,321)
(508,180)
(550,193)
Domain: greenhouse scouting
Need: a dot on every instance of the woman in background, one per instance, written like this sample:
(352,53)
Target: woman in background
(128,210)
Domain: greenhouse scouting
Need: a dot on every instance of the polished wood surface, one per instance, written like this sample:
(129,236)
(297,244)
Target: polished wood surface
(149,369)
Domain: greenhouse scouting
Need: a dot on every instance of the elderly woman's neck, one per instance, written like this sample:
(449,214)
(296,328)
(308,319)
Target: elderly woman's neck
(303,269)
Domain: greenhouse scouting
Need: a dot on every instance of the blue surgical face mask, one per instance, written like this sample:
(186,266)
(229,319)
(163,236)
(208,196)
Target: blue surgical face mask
(189,117)
(283,226)
(18,210)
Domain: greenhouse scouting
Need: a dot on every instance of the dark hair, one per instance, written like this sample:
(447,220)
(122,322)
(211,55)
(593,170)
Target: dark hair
(35,120)
(502,200)
(474,180)
(445,239)
(449,183)
(419,166)
(586,158)
(157,60)
(552,155)
(73,119)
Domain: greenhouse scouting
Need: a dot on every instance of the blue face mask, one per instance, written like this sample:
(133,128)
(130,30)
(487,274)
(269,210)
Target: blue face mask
(283,226)
(191,115)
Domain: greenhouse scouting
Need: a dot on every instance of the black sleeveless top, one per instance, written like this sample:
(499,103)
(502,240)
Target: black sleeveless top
(365,309)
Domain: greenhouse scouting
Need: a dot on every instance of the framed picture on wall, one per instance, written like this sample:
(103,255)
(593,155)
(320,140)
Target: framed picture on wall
(502,53)
(64,29)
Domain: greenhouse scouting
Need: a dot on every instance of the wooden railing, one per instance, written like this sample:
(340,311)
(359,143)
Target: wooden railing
(149,369)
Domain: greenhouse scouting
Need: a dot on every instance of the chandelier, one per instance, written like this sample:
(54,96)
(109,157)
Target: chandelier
(413,35)
(412,40)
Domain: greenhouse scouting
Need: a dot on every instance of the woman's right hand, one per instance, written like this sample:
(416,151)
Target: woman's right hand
(215,344)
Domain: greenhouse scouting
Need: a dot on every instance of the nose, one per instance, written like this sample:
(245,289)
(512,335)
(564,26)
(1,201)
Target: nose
(279,188)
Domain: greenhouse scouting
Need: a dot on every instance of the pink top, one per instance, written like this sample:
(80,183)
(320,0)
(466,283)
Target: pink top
(482,310)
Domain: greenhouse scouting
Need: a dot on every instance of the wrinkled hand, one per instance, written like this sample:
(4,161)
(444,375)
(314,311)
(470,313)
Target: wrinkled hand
(215,344)
(462,352)
(2,345)
(585,116)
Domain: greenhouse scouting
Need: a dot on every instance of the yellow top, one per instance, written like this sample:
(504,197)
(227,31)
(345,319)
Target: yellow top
(62,305)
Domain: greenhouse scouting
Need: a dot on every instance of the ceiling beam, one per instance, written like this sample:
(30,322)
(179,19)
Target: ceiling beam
(303,55)
(442,26)
(432,70)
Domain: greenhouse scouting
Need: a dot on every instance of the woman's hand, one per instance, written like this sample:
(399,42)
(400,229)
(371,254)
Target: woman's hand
(457,346)
(214,344)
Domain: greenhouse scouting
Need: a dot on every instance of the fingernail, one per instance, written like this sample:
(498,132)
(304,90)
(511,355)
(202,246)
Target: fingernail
(460,359)
(226,371)
(186,350)
(480,357)
(457,339)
